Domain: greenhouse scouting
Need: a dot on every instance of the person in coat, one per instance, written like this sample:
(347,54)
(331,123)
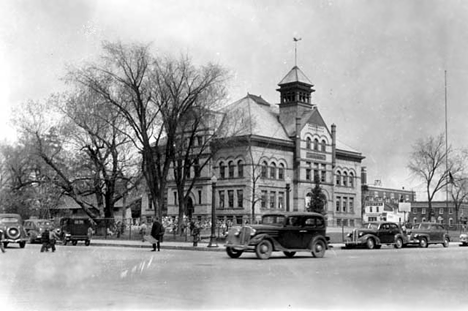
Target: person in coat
(157,231)
(53,237)
(45,239)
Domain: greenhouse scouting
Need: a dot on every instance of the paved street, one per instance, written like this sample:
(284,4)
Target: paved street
(117,278)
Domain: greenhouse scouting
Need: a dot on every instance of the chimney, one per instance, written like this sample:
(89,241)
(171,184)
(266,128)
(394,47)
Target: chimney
(364,175)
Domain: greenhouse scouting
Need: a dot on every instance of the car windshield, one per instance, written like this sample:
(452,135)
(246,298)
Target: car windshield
(44,223)
(9,220)
(273,220)
(371,226)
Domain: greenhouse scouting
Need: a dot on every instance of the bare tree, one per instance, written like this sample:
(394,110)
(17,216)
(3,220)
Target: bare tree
(428,162)
(154,95)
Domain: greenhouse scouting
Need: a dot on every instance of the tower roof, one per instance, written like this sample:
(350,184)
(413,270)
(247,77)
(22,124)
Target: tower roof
(295,75)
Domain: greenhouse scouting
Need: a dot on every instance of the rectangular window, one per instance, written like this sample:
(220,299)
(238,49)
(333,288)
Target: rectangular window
(231,198)
(351,205)
(441,210)
(187,172)
(423,210)
(281,172)
(338,204)
(196,166)
(281,200)
(231,170)
(451,210)
(351,222)
(199,196)
(199,140)
(240,198)
(272,199)
(308,174)
(222,170)
(370,209)
(264,199)
(264,170)
(221,199)
(240,170)
(345,204)
(175,198)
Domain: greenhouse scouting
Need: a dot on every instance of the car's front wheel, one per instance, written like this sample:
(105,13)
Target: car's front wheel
(74,242)
(264,249)
(87,242)
(423,243)
(370,243)
(233,253)
(446,242)
(318,248)
(290,254)
(398,243)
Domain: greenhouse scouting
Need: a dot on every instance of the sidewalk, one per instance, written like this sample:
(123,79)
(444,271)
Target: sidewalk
(202,246)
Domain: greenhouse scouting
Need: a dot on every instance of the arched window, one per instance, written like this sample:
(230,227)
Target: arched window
(316,144)
(222,170)
(281,171)
(324,145)
(351,180)
(338,178)
(264,169)
(240,169)
(231,169)
(308,143)
(415,220)
(345,179)
(450,222)
(273,170)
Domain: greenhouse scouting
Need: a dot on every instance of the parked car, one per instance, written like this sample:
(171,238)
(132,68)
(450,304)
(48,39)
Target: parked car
(289,232)
(375,234)
(35,227)
(426,233)
(464,239)
(13,230)
(74,229)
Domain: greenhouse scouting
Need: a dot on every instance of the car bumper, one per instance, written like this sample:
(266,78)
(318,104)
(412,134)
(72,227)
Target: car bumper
(14,240)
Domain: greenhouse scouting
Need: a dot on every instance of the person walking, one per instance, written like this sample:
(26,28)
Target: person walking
(143,231)
(1,241)
(45,239)
(157,231)
(53,237)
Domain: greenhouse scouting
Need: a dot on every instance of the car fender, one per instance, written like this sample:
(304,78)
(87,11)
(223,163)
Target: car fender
(364,238)
(264,236)
(403,237)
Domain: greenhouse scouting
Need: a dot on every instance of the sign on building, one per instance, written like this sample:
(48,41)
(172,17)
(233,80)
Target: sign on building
(404,207)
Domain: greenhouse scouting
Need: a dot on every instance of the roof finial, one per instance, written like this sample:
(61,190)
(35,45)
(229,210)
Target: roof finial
(295,49)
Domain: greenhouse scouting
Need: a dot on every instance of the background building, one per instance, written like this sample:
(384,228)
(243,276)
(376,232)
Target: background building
(382,204)
(271,159)
(444,212)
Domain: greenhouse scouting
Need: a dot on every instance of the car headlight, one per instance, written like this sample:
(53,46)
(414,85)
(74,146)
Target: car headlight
(361,234)
(348,235)
(252,232)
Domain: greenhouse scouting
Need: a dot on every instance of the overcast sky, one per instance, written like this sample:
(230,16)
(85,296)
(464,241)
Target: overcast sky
(377,66)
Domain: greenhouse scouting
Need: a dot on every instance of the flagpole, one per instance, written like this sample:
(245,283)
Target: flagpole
(446,145)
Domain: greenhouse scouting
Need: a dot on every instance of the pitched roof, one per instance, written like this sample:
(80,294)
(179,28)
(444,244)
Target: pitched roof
(252,115)
(295,75)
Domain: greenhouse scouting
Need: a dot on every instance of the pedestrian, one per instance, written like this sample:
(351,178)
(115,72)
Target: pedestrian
(143,231)
(196,234)
(45,239)
(53,237)
(157,231)
(1,241)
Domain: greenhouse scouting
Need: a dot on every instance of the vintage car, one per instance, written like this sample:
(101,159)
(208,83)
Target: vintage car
(464,239)
(74,229)
(289,232)
(13,230)
(426,233)
(375,234)
(35,227)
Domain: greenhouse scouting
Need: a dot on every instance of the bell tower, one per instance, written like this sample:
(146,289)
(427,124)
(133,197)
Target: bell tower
(295,94)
